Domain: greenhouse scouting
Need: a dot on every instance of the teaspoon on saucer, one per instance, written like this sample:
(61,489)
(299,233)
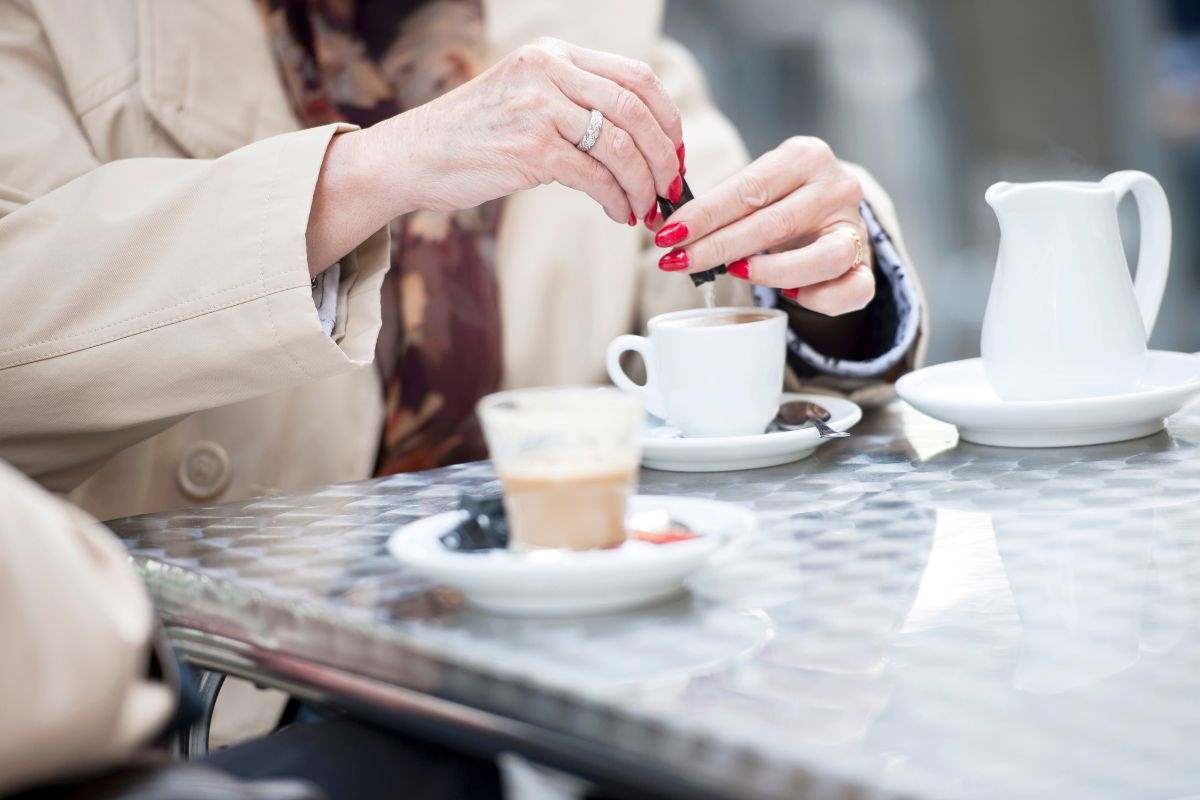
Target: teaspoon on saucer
(676,453)
(797,414)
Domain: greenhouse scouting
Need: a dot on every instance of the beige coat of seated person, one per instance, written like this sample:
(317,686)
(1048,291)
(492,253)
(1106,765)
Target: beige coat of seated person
(67,589)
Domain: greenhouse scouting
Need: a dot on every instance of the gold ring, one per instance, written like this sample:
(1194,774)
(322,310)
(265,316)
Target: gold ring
(860,250)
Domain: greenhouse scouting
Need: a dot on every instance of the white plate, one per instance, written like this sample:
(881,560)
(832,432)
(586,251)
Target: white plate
(561,582)
(960,394)
(663,448)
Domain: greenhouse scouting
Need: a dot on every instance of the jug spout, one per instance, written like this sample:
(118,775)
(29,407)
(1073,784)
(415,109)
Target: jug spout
(996,192)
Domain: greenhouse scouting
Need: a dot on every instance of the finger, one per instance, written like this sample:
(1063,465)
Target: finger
(615,149)
(654,220)
(851,292)
(772,176)
(806,209)
(627,111)
(579,171)
(754,188)
(637,77)
(829,257)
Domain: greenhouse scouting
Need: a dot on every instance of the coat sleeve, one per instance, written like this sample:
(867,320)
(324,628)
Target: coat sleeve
(142,290)
(77,631)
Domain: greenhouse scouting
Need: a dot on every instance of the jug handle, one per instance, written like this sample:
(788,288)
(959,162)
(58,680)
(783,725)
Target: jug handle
(1154,253)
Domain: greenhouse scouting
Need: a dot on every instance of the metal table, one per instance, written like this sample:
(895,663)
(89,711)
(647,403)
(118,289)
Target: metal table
(919,617)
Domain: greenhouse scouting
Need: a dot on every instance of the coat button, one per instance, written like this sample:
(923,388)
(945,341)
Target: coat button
(204,470)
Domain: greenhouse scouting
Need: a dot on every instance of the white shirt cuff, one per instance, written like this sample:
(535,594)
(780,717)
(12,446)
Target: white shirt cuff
(325,296)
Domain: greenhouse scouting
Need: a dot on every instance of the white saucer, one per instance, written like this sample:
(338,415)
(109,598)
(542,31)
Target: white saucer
(960,394)
(563,582)
(663,447)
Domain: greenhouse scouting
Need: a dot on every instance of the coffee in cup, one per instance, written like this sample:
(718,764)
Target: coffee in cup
(712,320)
(709,372)
(567,460)
(572,506)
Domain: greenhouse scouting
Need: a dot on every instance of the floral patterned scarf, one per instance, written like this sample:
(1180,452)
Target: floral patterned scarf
(362,61)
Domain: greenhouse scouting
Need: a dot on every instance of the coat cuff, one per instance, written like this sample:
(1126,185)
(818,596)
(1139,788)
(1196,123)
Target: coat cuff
(894,316)
(296,323)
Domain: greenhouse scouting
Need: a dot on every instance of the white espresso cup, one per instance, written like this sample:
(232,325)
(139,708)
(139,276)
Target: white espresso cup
(709,371)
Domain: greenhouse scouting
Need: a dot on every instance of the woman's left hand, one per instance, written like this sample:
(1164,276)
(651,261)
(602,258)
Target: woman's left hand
(789,220)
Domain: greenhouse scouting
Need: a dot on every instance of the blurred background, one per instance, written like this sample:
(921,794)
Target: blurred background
(941,98)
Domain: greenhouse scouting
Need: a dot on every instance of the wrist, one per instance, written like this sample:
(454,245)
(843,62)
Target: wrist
(393,164)
(351,200)
(361,168)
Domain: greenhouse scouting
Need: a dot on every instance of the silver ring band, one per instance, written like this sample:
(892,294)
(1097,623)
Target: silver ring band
(592,134)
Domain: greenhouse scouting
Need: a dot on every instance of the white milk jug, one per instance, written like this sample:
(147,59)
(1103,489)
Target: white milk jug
(1064,319)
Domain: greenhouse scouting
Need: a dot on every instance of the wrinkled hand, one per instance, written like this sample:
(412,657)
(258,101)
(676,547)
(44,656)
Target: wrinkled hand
(788,221)
(516,125)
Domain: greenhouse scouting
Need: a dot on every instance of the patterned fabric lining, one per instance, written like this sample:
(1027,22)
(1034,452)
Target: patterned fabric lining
(894,315)
(363,61)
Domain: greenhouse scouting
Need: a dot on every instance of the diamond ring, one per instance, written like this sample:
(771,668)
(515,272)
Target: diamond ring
(593,131)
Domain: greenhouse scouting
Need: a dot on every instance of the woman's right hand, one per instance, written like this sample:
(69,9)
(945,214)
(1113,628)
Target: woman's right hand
(516,126)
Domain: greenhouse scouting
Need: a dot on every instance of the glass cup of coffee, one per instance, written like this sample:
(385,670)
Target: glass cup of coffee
(568,460)
(709,371)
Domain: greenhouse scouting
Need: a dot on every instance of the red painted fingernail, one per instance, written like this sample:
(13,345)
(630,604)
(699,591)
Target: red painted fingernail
(681,151)
(671,235)
(632,219)
(675,190)
(651,215)
(674,261)
(740,268)
(790,294)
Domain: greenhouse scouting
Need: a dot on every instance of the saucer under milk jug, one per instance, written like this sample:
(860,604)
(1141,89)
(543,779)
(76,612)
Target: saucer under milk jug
(1064,318)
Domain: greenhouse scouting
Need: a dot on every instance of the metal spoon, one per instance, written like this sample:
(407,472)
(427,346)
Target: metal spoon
(796,414)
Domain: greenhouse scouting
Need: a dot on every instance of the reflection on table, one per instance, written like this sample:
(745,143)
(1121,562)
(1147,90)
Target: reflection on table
(917,615)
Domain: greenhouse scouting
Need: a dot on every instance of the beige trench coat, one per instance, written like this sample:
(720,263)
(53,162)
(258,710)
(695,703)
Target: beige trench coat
(151,285)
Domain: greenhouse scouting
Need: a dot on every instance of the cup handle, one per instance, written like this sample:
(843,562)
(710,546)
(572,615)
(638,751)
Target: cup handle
(1154,253)
(649,391)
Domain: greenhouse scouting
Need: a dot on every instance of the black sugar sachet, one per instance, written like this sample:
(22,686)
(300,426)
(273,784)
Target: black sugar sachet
(668,208)
(485,526)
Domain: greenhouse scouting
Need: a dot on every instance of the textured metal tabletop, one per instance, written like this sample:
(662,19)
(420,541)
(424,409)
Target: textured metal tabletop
(918,616)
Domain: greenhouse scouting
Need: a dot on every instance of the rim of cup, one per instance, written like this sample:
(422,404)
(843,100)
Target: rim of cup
(496,401)
(770,314)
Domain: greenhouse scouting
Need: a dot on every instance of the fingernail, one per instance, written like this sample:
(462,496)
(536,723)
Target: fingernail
(632,219)
(671,235)
(790,294)
(675,190)
(740,268)
(651,215)
(674,261)
(681,151)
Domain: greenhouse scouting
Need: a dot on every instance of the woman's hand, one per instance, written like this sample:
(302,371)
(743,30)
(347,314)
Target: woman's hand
(517,125)
(513,127)
(799,205)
